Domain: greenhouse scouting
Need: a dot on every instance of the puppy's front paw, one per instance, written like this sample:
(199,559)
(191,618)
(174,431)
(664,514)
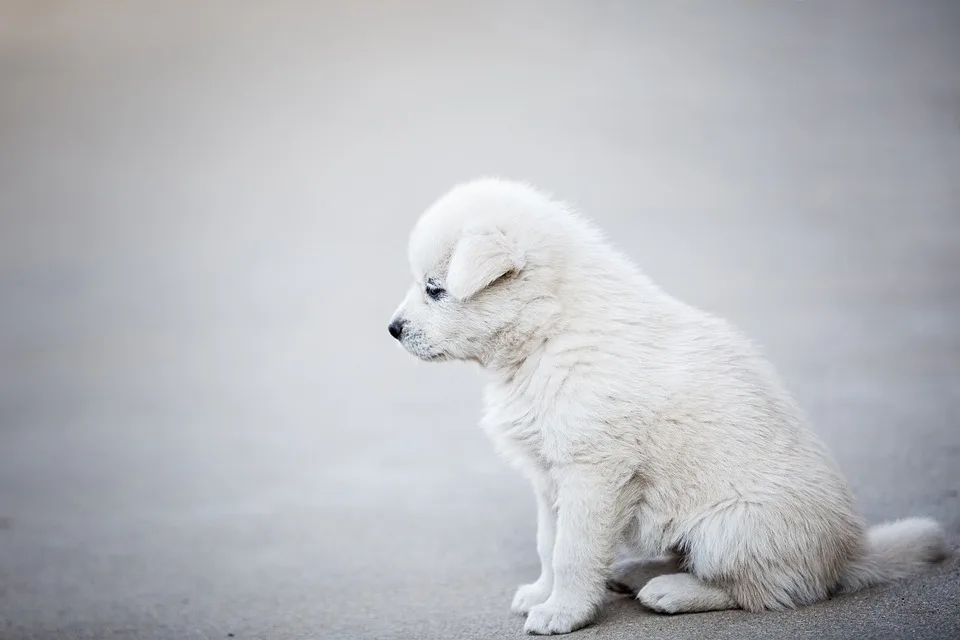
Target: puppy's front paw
(550,618)
(530,595)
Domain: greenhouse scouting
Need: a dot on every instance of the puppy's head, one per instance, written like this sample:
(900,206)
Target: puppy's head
(477,294)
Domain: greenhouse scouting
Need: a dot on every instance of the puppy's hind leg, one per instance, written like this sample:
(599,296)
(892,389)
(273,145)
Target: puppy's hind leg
(684,593)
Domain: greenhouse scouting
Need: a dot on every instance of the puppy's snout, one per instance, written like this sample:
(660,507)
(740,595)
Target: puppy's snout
(396,328)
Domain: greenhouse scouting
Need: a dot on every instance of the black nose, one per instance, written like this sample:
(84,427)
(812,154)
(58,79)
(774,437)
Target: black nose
(396,328)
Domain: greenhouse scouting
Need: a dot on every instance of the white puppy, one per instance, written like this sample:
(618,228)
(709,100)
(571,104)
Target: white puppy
(639,420)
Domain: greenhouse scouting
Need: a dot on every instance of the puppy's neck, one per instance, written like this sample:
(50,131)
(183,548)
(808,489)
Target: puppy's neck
(507,363)
(520,345)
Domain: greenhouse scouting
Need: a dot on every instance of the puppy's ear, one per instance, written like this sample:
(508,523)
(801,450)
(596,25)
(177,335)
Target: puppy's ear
(478,259)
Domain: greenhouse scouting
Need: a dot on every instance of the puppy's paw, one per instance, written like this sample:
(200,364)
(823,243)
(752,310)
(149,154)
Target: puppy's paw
(660,594)
(552,618)
(530,595)
(684,593)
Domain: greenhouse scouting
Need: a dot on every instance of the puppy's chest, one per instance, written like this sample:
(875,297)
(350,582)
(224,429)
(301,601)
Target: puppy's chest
(518,422)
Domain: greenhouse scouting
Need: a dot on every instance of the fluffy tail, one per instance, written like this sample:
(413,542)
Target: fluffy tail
(896,550)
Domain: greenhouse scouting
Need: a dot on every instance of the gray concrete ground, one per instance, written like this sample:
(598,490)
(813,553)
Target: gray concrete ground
(205,429)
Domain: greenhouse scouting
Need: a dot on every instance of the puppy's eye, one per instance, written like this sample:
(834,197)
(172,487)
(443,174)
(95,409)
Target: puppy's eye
(433,291)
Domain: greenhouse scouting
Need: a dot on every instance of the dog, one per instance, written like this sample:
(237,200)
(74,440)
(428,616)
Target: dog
(642,423)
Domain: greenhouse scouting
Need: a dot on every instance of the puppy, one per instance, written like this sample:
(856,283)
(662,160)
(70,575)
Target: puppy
(639,420)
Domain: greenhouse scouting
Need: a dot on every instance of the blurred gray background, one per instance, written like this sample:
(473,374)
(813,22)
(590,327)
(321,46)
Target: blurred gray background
(205,428)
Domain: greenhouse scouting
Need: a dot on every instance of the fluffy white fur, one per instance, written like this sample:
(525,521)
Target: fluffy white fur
(639,420)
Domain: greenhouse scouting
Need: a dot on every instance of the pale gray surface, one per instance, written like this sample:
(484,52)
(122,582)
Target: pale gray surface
(204,426)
